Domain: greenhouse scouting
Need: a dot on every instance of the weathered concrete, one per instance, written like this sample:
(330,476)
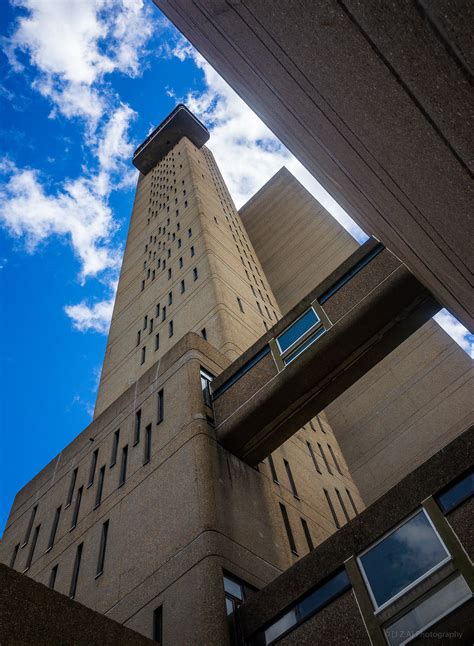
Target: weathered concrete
(375,100)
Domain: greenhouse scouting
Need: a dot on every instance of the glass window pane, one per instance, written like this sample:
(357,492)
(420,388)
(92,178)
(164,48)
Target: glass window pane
(280,626)
(458,493)
(229,605)
(428,611)
(319,597)
(310,340)
(233,588)
(296,331)
(402,557)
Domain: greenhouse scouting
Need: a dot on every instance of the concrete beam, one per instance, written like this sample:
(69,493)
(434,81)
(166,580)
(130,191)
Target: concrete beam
(366,316)
(375,100)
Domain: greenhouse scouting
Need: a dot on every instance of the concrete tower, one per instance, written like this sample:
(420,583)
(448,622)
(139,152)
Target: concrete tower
(145,517)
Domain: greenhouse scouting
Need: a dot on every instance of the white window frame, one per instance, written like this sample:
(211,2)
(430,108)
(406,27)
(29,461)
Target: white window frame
(378,609)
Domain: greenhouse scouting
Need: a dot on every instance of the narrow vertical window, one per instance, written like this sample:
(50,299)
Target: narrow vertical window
(157,341)
(77,506)
(102,548)
(290,479)
(161,407)
(343,507)
(351,500)
(143,285)
(123,466)
(14,555)
(52,577)
(75,571)
(72,485)
(138,423)
(170,298)
(139,337)
(169,274)
(181,263)
(100,487)
(333,511)
(30,525)
(204,334)
(195,273)
(190,233)
(158,311)
(334,459)
(328,466)
(32,547)
(95,455)
(241,307)
(313,457)
(145,322)
(163,314)
(158,625)
(289,532)
(170,329)
(193,252)
(142,360)
(151,326)
(54,528)
(183,287)
(307,534)
(113,458)
(273,470)
(147,452)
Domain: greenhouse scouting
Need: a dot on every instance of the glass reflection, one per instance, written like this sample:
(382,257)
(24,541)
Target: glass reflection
(402,558)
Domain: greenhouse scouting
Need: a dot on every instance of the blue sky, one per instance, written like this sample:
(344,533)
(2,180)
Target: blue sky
(82,84)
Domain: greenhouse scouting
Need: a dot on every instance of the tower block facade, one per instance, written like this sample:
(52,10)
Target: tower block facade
(146,517)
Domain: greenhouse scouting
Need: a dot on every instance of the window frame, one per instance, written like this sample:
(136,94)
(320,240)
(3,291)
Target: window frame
(379,608)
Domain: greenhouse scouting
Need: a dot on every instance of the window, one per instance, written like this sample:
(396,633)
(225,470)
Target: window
(290,479)
(147,452)
(182,287)
(169,274)
(138,422)
(343,507)
(235,592)
(151,326)
(206,379)
(14,555)
(192,252)
(204,334)
(123,466)
(456,493)
(273,470)
(163,315)
(181,262)
(52,577)
(297,335)
(75,572)
(289,532)
(102,548)
(170,298)
(331,509)
(95,455)
(195,273)
(158,625)
(139,336)
(30,525)
(309,605)
(54,528)
(32,547)
(143,285)
(328,466)
(170,329)
(113,458)
(309,540)
(77,506)
(157,341)
(190,233)
(428,611)
(405,556)
(351,500)
(143,355)
(241,307)
(161,407)
(334,459)
(313,457)
(100,487)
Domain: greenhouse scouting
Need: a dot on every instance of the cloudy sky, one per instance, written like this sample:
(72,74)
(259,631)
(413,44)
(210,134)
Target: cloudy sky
(82,83)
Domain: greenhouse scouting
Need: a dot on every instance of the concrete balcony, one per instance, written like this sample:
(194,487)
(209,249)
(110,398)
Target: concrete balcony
(346,325)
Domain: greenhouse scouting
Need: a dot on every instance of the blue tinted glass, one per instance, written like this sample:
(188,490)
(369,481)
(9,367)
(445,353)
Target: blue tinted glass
(456,494)
(402,558)
(296,331)
(322,595)
(292,356)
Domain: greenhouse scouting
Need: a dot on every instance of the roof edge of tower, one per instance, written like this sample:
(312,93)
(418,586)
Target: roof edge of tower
(181,122)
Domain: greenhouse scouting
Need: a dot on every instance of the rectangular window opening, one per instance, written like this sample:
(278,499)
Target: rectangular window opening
(290,479)
(307,534)
(161,407)
(54,528)
(75,572)
(113,457)
(332,510)
(147,451)
(102,548)
(100,486)
(123,466)
(138,423)
(289,532)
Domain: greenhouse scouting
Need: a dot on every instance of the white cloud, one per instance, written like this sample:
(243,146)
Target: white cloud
(75,44)
(247,152)
(94,317)
(456,330)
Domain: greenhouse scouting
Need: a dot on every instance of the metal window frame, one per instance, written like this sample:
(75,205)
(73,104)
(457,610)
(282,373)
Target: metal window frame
(378,608)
